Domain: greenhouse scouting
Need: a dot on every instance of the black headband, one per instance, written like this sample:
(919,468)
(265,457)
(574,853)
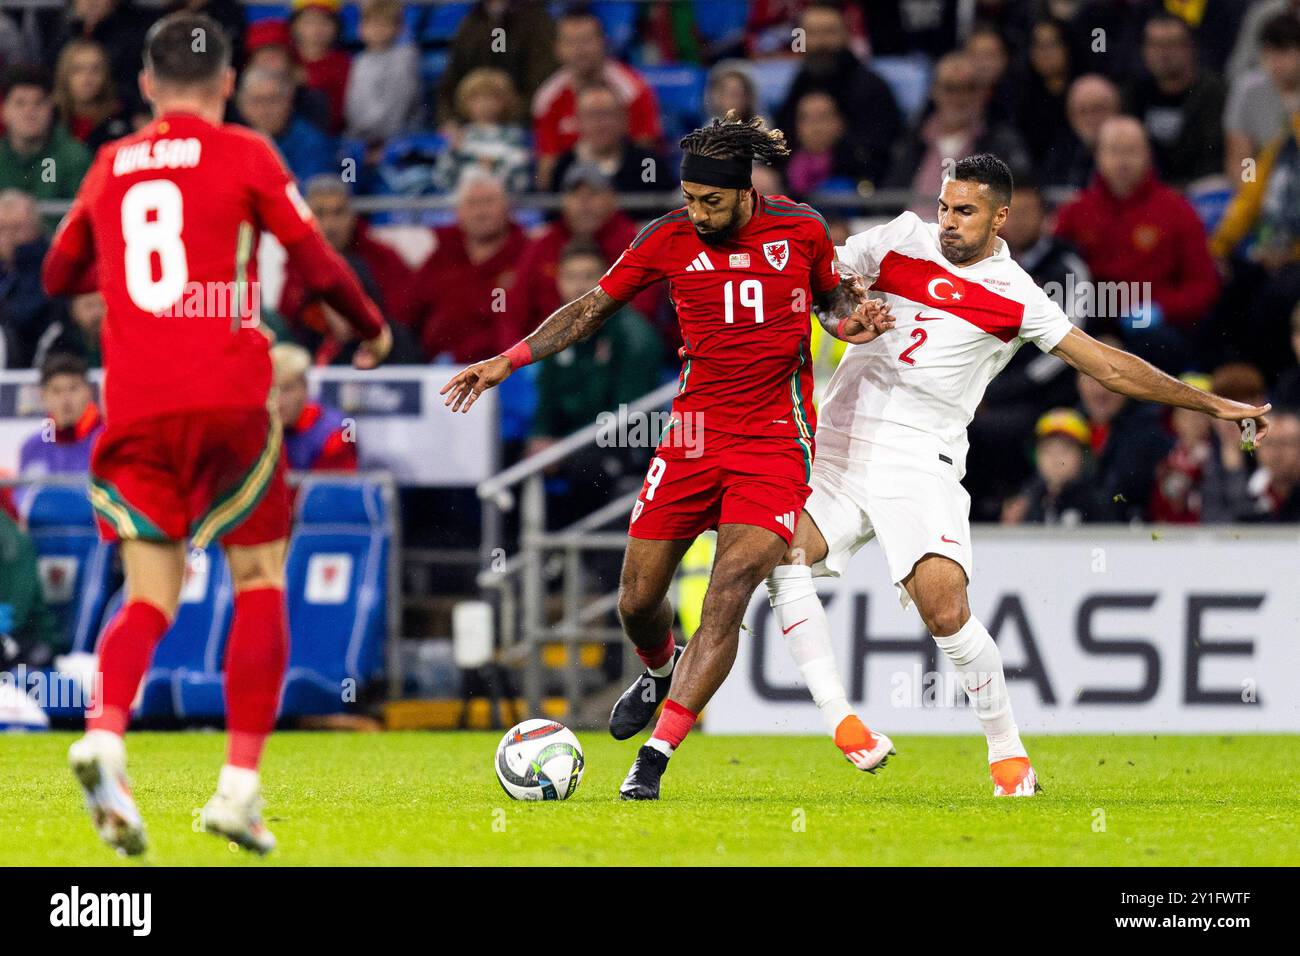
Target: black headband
(708,171)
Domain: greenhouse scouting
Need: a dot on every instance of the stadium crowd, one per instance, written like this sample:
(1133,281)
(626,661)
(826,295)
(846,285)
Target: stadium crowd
(1156,145)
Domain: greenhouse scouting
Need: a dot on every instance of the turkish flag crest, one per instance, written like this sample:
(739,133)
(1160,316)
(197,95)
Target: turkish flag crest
(777,253)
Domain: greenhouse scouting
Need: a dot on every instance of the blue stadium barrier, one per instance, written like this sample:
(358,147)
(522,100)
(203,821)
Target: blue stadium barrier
(338,571)
(184,680)
(721,22)
(76,567)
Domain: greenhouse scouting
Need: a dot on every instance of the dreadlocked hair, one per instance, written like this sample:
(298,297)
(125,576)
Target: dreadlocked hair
(734,138)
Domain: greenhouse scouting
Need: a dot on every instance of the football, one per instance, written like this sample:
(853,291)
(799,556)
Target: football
(539,759)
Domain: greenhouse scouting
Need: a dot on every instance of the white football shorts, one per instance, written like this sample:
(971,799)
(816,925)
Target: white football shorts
(913,511)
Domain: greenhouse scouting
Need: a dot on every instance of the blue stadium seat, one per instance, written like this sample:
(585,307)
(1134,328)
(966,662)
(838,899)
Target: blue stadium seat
(909,80)
(337,576)
(618,17)
(443,21)
(184,679)
(76,567)
(721,22)
(254,12)
(772,79)
(680,91)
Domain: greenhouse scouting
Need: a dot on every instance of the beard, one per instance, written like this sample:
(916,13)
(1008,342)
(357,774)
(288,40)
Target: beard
(960,252)
(718,236)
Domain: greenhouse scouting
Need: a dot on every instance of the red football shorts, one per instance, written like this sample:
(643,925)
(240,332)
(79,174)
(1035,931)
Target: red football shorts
(209,475)
(718,478)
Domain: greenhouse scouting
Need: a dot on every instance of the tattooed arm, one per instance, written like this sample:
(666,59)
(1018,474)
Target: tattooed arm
(568,324)
(846,313)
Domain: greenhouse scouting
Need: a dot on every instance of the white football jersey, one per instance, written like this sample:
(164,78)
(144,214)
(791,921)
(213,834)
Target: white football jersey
(908,395)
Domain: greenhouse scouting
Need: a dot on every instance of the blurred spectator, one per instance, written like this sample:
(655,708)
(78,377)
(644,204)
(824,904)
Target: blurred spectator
(119,27)
(1286,391)
(383,88)
(35,144)
(621,362)
(1070,161)
(1127,440)
(767,180)
(270,47)
(62,444)
(1203,473)
(316,436)
(829,66)
(1180,104)
(581,50)
(730,86)
(987,49)
(488,135)
(1133,229)
(29,634)
(1041,116)
(826,156)
(266,103)
(1262,100)
(1116,50)
(1031,383)
(387,276)
(1246,54)
(86,320)
(86,97)
(956,127)
(589,210)
(517,36)
(1260,234)
(1273,491)
(603,142)
(228,13)
(902,27)
(1063,492)
(29,319)
(314,26)
(14,48)
(466,288)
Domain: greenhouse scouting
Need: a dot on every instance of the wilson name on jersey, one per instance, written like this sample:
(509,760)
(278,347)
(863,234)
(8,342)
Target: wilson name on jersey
(745,308)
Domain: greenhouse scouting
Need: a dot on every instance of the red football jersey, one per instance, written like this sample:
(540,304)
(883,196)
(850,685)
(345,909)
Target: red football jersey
(170,216)
(745,308)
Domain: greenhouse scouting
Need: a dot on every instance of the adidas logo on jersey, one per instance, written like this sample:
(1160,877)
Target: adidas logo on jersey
(787,520)
(700,263)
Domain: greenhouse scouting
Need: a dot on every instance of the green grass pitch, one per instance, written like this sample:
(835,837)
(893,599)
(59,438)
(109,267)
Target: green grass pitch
(433,799)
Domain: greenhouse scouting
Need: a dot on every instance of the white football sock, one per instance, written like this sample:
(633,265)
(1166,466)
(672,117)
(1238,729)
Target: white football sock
(661,745)
(663,670)
(239,783)
(801,617)
(976,658)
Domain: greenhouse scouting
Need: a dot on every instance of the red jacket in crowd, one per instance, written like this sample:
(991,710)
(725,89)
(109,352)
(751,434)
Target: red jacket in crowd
(465,307)
(535,295)
(393,279)
(1153,236)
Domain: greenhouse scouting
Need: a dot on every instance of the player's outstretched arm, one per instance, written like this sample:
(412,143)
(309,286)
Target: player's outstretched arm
(1129,375)
(568,324)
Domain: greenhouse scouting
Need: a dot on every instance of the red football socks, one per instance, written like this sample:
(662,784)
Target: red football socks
(675,722)
(658,656)
(124,654)
(255,660)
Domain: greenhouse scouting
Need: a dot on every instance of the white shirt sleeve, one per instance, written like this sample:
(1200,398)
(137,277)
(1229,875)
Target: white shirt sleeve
(864,251)
(1043,323)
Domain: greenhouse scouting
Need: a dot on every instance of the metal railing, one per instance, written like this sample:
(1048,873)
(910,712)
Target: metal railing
(520,582)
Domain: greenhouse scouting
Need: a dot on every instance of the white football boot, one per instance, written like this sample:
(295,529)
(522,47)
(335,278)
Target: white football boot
(235,811)
(866,749)
(1014,777)
(99,762)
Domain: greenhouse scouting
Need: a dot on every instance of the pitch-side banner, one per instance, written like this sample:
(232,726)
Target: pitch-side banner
(1101,631)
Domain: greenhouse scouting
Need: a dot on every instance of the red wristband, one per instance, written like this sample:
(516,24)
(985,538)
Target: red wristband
(519,355)
(839,329)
